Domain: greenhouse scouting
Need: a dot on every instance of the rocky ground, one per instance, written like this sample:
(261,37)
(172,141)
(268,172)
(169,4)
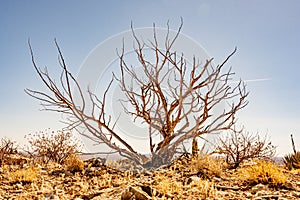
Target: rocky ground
(197,178)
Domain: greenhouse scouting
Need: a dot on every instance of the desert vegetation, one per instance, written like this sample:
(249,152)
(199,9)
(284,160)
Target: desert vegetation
(190,176)
(239,145)
(176,99)
(292,161)
(52,146)
(7,148)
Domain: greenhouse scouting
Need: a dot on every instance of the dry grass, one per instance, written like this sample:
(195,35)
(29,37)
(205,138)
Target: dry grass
(73,163)
(26,175)
(172,182)
(207,165)
(263,172)
(171,187)
(205,188)
(181,180)
(167,185)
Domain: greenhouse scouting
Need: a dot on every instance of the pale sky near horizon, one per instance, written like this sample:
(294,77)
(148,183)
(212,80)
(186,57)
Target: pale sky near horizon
(266,34)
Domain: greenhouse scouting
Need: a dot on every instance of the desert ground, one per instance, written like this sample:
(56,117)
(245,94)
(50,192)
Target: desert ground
(201,177)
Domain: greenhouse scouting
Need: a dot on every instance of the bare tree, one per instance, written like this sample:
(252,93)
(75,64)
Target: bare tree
(239,146)
(175,99)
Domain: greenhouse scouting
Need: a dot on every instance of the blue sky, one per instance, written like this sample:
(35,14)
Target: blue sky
(266,34)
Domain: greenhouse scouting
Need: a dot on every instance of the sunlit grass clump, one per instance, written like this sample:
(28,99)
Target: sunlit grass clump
(207,166)
(26,175)
(168,186)
(263,172)
(73,163)
(206,188)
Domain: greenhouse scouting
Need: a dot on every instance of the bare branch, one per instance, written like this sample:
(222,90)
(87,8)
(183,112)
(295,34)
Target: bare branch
(175,98)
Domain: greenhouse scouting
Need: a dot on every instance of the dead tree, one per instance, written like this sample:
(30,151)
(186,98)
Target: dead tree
(175,99)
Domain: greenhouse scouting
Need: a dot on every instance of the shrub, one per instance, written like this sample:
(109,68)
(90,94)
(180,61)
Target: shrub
(53,146)
(239,146)
(292,161)
(263,172)
(173,97)
(7,147)
(73,163)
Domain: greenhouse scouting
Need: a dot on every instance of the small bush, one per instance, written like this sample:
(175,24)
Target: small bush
(263,172)
(7,147)
(27,175)
(53,146)
(292,161)
(239,146)
(73,163)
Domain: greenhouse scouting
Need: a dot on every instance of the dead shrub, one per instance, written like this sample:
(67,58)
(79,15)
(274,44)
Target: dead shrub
(239,146)
(53,146)
(7,147)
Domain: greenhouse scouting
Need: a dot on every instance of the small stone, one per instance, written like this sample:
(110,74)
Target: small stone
(193,179)
(96,162)
(295,194)
(19,186)
(50,196)
(282,198)
(89,170)
(258,187)
(260,193)
(127,195)
(138,194)
(248,195)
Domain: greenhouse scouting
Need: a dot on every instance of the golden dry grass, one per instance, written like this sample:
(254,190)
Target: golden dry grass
(26,175)
(208,165)
(74,163)
(262,172)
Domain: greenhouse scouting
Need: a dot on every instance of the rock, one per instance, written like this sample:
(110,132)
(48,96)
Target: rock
(50,196)
(260,193)
(19,186)
(288,186)
(127,195)
(295,194)
(96,162)
(258,187)
(193,179)
(135,193)
(139,194)
(89,171)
